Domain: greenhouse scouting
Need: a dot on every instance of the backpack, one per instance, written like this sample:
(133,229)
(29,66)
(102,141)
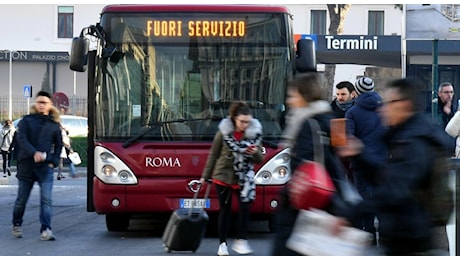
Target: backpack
(437,197)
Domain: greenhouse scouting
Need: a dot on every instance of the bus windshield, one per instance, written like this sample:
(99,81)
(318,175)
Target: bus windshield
(175,74)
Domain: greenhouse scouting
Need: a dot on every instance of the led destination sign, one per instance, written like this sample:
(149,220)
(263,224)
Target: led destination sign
(196,28)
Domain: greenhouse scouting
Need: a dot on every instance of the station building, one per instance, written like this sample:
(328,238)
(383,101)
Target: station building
(37,40)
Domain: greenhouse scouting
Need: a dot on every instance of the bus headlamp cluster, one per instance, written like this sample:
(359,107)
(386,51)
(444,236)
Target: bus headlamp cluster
(276,171)
(110,169)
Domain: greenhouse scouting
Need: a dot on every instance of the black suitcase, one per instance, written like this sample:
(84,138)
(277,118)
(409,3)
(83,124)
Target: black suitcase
(186,227)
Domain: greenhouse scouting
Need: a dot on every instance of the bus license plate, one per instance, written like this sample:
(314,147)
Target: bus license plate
(199,203)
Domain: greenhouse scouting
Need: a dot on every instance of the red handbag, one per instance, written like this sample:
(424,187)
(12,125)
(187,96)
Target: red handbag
(311,185)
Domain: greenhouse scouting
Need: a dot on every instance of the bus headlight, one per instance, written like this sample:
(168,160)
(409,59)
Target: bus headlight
(282,172)
(276,171)
(124,176)
(263,177)
(110,169)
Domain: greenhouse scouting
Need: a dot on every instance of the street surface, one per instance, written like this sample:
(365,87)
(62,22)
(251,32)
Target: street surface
(82,233)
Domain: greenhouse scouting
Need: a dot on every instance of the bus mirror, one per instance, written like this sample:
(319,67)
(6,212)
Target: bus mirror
(79,54)
(306,56)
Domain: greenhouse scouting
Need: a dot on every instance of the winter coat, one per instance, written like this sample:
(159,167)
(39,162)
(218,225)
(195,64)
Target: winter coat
(65,144)
(219,165)
(7,138)
(364,122)
(443,117)
(404,226)
(37,132)
(453,129)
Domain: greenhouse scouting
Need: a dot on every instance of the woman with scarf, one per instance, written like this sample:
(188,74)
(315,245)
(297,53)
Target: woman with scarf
(230,165)
(305,102)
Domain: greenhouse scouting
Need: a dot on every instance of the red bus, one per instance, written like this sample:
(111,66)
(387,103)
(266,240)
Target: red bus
(159,81)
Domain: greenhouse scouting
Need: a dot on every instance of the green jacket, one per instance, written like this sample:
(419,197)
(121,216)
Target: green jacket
(219,165)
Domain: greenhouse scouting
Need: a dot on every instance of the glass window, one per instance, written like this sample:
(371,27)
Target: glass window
(180,87)
(65,21)
(318,22)
(375,23)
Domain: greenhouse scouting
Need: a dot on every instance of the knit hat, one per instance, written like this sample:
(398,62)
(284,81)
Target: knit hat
(364,84)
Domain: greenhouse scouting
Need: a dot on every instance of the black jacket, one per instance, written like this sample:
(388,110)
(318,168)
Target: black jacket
(404,226)
(37,132)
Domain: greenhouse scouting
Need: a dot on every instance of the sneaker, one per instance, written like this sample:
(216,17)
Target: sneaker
(9,171)
(47,234)
(241,246)
(222,249)
(17,231)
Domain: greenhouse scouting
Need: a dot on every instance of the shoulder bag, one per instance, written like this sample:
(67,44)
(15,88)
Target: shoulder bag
(74,158)
(311,185)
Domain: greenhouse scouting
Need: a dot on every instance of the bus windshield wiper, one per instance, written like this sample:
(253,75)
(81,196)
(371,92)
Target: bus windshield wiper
(153,126)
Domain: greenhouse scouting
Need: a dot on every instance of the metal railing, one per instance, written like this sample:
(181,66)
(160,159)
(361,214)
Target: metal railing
(77,106)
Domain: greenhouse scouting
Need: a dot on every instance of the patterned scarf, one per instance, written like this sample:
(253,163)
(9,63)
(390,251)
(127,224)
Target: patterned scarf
(242,162)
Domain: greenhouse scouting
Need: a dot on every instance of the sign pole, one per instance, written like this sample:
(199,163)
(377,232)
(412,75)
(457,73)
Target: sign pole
(10,94)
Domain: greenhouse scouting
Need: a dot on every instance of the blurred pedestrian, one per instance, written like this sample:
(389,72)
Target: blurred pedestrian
(305,102)
(7,146)
(405,226)
(236,148)
(40,142)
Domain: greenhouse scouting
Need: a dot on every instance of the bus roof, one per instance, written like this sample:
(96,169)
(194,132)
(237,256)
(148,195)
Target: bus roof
(195,8)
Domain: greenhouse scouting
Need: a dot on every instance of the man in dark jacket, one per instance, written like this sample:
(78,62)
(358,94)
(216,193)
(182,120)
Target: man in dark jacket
(446,108)
(363,122)
(39,143)
(345,98)
(405,227)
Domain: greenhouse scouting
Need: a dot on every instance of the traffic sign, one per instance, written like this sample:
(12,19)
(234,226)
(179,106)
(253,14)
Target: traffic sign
(27,91)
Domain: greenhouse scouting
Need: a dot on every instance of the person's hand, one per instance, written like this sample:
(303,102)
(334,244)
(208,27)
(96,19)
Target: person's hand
(446,107)
(251,149)
(38,157)
(338,224)
(353,147)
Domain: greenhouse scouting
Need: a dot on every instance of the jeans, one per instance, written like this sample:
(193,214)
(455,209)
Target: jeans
(72,170)
(6,156)
(45,181)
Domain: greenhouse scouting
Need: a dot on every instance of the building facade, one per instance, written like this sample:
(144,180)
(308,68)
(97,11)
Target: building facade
(37,56)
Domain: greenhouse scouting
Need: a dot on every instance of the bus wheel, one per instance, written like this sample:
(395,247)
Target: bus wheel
(117,222)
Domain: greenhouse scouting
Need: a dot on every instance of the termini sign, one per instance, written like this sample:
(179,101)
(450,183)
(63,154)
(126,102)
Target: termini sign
(358,43)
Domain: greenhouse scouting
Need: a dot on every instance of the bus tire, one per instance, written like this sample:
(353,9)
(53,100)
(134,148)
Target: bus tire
(117,222)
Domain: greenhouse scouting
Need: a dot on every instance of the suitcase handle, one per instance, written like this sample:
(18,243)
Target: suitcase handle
(195,195)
